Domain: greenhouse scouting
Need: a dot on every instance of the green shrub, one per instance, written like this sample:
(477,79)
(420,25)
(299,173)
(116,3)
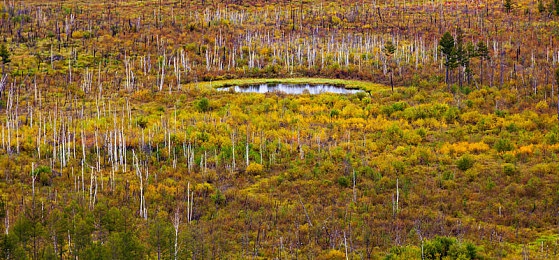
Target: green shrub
(509,169)
(443,247)
(512,127)
(451,114)
(503,145)
(218,198)
(438,247)
(465,162)
(142,122)
(397,106)
(490,184)
(552,137)
(44,175)
(203,105)
(343,181)
(448,176)
(463,251)
(360,95)
(334,113)
(501,113)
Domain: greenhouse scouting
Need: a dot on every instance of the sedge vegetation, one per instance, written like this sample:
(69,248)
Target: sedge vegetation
(115,143)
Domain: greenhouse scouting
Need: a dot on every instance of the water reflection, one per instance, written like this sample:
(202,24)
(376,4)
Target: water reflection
(295,89)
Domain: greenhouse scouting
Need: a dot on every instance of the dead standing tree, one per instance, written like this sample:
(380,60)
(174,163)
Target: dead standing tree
(389,50)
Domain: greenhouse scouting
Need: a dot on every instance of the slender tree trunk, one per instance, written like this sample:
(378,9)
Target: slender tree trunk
(460,76)
(502,69)
(391,80)
(176,223)
(345,245)
(446,75)
(447,78)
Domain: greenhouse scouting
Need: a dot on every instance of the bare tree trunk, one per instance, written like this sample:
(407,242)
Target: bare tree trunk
(392,81)
(176,222)
(345,245)
(233,150)
(481,71)
(502,69)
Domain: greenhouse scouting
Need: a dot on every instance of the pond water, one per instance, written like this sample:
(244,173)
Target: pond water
(295,89)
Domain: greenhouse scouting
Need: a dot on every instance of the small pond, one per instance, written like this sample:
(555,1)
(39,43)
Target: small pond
(295,89)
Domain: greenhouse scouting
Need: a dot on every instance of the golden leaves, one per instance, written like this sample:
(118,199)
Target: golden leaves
(463,147)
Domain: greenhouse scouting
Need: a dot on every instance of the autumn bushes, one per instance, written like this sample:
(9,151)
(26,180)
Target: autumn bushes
(254,169)
(460,148)
(438,247)
(274,175)
(254,161)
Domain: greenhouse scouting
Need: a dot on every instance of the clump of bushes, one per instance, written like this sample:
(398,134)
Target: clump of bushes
(203,105)
(465,162)
(503,145)
(255,169)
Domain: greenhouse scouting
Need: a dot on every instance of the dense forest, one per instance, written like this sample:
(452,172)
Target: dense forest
(115,143)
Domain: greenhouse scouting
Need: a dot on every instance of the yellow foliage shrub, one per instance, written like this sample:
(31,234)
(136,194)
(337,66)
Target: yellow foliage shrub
(77,34)
(464,147)
(525,150)
(478,147)
(470,117)
(255,168)
(332,255)
(542,106)
(412,138)
(554,147)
